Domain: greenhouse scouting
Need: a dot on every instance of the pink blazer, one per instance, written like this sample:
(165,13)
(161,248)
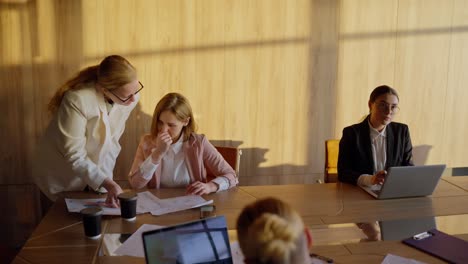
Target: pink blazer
(199,154)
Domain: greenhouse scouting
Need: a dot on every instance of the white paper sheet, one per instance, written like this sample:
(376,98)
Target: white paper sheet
(237,256)
(394,259)
(146,202)
(133,246)
(76,205)
(165,206)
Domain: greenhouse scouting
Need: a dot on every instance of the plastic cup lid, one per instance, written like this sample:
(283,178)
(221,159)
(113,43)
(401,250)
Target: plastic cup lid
(92,211)
(129,196)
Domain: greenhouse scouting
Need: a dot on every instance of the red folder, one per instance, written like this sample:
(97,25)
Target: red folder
(441,245)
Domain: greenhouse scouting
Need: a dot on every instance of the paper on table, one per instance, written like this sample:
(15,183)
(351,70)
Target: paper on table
(394,259)
(170,205)
(76,205)
(146,202)
(237,256)
(133,246)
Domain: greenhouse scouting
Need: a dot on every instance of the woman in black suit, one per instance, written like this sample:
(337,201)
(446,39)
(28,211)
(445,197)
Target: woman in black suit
(369,148)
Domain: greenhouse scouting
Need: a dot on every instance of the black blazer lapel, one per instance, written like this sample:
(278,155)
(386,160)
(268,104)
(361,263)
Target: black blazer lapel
(366,144)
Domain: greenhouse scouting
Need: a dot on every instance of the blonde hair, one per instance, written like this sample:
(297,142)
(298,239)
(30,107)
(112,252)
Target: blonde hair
(270,231)
(113,72)
(180,107)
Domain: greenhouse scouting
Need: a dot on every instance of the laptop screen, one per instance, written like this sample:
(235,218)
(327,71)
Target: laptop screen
(202,241)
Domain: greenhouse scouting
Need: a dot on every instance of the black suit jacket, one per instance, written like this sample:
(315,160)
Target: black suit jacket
(355,152)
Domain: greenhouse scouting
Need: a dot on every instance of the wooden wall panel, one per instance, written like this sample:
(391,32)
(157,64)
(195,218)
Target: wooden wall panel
(242,64)
(421,69)
(15,49)
(455,108)
(418,48)
(275,78)
(366,56)
(21,214)
(321,75)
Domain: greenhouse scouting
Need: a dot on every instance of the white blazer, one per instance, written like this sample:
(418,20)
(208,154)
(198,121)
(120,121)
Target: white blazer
(81,143)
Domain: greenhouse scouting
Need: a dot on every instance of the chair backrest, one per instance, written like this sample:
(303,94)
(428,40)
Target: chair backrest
(231,155)
(331,160)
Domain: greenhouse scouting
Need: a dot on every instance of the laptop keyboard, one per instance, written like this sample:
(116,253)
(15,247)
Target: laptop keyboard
(376,188)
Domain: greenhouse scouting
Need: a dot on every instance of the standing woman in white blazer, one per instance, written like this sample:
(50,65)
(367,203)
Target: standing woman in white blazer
(81,143)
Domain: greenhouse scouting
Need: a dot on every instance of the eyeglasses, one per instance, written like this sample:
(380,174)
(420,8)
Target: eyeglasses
(383,107)
(128,98)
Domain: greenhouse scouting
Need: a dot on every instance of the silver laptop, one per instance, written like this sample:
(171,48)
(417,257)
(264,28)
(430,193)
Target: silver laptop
(408,181)
(201,241)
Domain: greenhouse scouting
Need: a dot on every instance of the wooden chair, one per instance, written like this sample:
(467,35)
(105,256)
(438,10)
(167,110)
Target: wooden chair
(331,160)
(231,155)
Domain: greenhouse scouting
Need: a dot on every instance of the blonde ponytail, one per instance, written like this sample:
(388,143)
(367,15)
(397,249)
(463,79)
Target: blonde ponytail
(114,71)
(85,76)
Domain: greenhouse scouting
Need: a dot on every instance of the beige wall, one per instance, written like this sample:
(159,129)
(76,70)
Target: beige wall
(273,77)
(420,48)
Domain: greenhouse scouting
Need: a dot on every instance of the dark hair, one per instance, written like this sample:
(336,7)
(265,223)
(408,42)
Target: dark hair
(380,90)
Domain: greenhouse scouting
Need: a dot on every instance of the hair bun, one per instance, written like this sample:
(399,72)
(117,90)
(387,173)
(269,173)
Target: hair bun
(276,239)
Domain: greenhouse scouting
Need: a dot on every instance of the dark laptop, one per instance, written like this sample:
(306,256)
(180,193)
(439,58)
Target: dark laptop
(201,241)
(408,181)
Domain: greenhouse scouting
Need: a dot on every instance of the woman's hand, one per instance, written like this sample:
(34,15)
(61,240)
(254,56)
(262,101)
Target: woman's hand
(200,188)
(379,177)
(113,191)
(163,142)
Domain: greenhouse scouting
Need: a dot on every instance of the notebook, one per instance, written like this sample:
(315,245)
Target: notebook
(201,241)
(408,181)
(440,244)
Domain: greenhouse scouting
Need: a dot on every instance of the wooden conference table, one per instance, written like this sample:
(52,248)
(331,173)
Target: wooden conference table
(330,210)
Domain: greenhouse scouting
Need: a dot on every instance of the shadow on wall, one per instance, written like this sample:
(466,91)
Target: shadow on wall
(251,172)
(420,154)
(138,124)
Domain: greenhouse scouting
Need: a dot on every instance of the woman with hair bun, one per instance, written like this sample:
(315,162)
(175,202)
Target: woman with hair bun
(270,231)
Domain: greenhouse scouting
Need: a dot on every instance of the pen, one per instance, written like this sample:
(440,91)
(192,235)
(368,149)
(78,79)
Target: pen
(327,260)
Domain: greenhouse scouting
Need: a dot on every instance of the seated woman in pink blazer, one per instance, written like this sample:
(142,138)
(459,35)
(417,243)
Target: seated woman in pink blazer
(173,155)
